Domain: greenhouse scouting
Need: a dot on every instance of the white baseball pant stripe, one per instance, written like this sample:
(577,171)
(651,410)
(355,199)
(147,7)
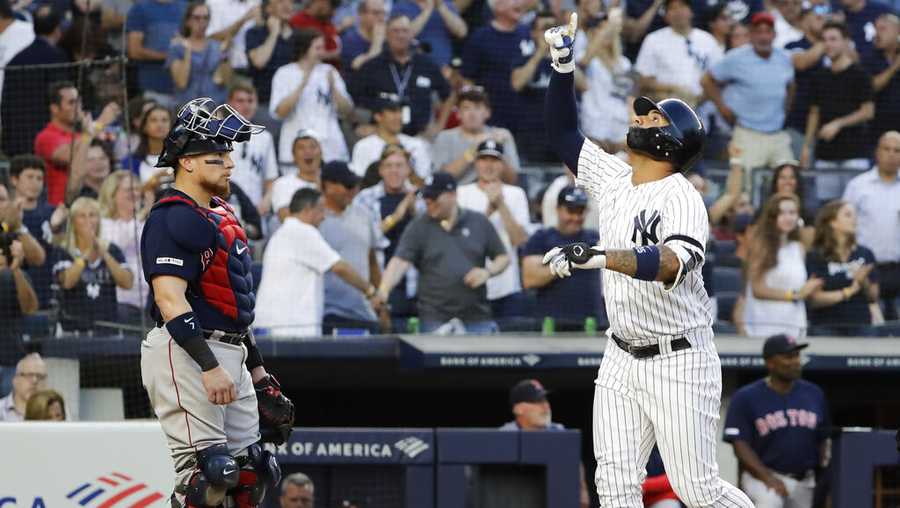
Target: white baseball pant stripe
(671,399)
(800,492)
(190,421)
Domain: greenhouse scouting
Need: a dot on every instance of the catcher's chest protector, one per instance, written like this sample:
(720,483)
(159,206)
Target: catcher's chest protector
(227,281)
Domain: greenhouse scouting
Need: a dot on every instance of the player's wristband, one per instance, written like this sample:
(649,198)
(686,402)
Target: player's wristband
(647,262)
(185,329)
(254,358)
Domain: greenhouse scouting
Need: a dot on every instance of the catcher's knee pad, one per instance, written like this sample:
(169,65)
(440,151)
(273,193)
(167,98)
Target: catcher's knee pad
(260,471)
(217,471)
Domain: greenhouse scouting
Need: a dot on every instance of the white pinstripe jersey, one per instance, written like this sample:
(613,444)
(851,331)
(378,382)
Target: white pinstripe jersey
(664,212)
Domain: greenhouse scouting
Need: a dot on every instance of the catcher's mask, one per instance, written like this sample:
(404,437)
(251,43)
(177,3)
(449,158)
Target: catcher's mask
(202,127)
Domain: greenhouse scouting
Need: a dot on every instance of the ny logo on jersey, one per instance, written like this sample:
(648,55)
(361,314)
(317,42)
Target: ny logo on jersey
(646,226)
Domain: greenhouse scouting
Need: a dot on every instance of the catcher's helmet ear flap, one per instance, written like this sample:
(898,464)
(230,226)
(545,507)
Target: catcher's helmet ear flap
(684,137)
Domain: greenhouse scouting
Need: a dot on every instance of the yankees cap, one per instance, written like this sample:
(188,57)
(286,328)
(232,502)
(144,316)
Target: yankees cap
(527,390)
(339,172)
(438,184)
(490,148)
(781,344)
(572,197)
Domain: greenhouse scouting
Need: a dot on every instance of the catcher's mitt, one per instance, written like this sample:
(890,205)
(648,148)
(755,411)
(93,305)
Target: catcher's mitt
(276,412)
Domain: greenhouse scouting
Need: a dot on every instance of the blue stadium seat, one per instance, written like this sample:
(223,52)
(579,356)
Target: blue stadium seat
(726,301)
(727,279)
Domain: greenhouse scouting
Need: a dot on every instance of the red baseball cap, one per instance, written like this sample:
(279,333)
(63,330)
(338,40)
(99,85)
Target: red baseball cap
(762,17)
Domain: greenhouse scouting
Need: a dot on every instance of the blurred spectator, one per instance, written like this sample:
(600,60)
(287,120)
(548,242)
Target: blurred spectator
(125,145)
(882,63)
(434,22)
(449,246)
(86,179)
(123,210)
(12,223)
(351,232)
(291,297)
(723,208)
(720,24)
(568,301)
(454,149)
(309,94)
(605,106)
(18,295)
(641,18)
(246,211)
(841,103)
(489,54)
(403,70)
(673,59)
(255,163)
(26,173)
(46,405)
(63,143)
(757,81)
(198,65)
(550,201)
(297,491)
(738,36)
(777,283)
(270,46)
(88,269)
(229,22)
(15,35)
(364,40)
(31,376)
(154,127)
(787,180)
(25,105)
(387,112)
(787,14)
(317,15)
(151,26)
(506,206)
(860,16)
(779,427)
(532,412)
(876,196)
(657,490)
(393,203)
(841,307)
(807,54)
(308,160)
(530,78)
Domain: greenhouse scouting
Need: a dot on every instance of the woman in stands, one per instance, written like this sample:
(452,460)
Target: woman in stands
(122,211)
(46,405)
(155,125)
(198,66)
(776,272)
(88,269)
(843,306)
(787,180)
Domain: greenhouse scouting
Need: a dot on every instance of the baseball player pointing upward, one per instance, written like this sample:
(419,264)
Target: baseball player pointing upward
(660,379)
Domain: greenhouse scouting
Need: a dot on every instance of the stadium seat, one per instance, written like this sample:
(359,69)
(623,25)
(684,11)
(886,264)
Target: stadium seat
(726,300)
(727,279)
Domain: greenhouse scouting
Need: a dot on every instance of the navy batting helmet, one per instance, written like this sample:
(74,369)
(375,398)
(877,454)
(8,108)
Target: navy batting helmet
(202,127)
(681,142)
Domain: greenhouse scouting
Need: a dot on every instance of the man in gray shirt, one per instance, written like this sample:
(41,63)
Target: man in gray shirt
(449,246)
(351,232)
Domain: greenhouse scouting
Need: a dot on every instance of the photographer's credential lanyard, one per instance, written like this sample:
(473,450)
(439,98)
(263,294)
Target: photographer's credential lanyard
(400,84)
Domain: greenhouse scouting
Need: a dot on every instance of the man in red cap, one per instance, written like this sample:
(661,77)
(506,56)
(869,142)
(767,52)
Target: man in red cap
(751,86)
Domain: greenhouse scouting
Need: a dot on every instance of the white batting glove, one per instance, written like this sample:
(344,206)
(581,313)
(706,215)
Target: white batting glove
(562,45)
(561,260)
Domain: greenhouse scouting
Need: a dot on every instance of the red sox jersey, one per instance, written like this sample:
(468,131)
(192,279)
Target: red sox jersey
(667,212)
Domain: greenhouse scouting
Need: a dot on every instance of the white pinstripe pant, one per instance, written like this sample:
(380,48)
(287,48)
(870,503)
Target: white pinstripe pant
(671,399)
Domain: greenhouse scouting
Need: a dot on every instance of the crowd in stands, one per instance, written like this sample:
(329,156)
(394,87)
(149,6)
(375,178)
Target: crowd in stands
(404,181)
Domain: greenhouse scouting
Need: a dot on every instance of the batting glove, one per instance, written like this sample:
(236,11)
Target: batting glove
(562,45)
(580,255)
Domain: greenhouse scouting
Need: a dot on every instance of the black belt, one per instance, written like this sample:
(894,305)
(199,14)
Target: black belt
(235,338)
(651,350)
(797,476)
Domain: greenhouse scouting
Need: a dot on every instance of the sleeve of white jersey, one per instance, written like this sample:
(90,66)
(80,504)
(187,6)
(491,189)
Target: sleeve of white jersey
(685,230)
(597,168)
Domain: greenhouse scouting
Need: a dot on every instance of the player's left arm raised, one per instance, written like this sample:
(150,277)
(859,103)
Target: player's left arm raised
(684,231)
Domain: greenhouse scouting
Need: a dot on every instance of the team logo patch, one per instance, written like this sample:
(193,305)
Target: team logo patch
(170,261)
(645,225)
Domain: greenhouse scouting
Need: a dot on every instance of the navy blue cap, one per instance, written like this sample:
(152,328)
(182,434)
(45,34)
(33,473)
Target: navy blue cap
(386,100)
(490,148)
(437,184)
(572,197)
(339,172)
(781,344)
(527,390)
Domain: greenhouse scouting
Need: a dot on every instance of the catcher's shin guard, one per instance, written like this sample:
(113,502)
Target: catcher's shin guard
(260,471)
(216,472)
